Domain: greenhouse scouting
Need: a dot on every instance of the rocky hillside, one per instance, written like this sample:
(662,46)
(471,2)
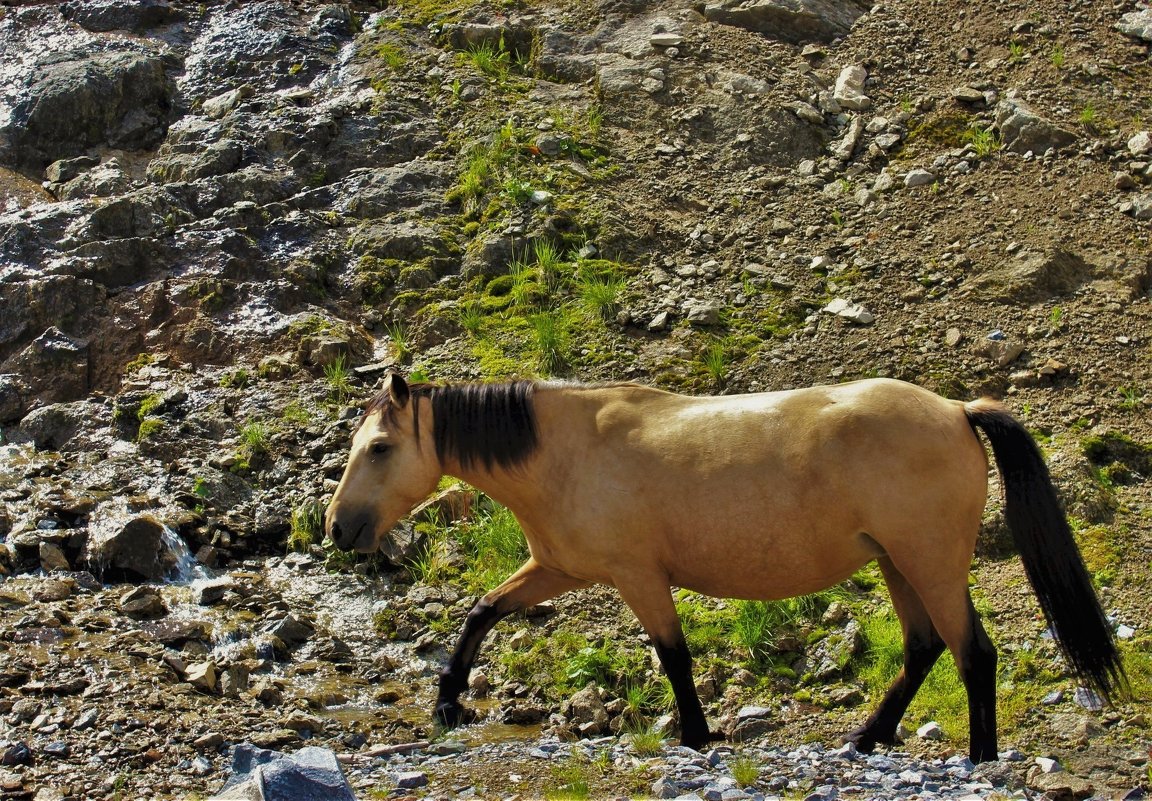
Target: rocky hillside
(222,223)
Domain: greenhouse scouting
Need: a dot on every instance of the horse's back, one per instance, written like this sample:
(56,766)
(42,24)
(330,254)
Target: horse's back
(784,492)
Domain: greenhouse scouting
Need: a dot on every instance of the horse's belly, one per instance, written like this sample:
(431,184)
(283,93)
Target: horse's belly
(770,568)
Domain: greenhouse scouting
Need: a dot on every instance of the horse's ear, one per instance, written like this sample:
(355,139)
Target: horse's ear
(397,389)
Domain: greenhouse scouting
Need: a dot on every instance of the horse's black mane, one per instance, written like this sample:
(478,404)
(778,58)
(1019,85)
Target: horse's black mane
(494,424)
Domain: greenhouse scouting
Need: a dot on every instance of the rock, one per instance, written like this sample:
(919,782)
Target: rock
(104,180)
(968,94)
(77,101)
(930,731)
(1023,131)
(1137,23)
(1140,144)
(665,788)
(310,773)
(15,754)
(143,603)
(410,780)
(1139,207)
(54,366)
(1073,728)
(659,322)
(290,630)
(794,21)
(853,312)
(116,15)
(202,676)
(134,545)
(752,722)
(914,178)
(586,711)
(1060,786)
(52,558)
(1032,277)
(64,170)
(702,312)
(846,146)
(1088,699)
(849,89)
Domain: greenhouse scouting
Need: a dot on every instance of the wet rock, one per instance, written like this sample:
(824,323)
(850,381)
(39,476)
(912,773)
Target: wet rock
(1023,131)
(77,101)
(54,366)
(796,22)
(134,546)
(15,754)
(104,180)
(14,395)
(116,15)
(65,170)
(52,558)
(143,603)
(56,589)
(290,630)
(311,772)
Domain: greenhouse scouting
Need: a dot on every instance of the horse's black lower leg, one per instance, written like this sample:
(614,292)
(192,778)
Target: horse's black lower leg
(977,665)
(677,664)
(921,650)
(454,676)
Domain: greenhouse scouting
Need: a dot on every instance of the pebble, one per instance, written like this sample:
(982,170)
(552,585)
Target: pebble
(914,178)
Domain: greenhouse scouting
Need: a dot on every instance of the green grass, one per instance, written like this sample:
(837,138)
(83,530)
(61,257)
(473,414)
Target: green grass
(551,333)
(489,59)
(646,741)
(1087,117)
(494,548)
(984,141)
(401,346)
(339,379)
(745,770)
(254,438)
(392,55)
(715,361)
(1056,56)
(306,526)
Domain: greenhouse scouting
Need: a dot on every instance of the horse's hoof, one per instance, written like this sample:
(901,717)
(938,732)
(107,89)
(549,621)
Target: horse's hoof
(450,714)
(864,742)
(699,743)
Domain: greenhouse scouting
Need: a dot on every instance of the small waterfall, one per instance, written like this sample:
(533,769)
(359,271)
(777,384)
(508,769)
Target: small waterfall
(185,569)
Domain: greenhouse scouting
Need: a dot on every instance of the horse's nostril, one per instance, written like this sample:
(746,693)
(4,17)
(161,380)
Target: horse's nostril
(335,534)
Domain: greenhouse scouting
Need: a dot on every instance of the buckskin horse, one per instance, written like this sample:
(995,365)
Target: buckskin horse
(761,496)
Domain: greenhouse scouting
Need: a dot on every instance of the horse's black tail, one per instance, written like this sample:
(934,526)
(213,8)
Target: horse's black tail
(1048,551)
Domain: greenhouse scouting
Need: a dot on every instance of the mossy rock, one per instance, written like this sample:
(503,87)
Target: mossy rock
(1119,454)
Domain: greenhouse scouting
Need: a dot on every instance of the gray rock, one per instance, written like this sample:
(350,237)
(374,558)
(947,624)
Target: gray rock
(586,711)
(104,180)
(290,630)
(1140,144)
(659,322)
(74,102)
(849,89)
(13,397)
(853,312)
(930,731)
(116,15)
(1023,131)
(410,780)
(793,21)
(703,312)
(1137,23)
(64,170)
(1139,206)
(752,722)
(914,178)
(143,603)
(310,774)
(665,788)
(54,366)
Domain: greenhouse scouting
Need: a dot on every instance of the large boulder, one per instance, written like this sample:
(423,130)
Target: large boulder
(119,15)
(309,773)
(1031,277)
(133,545)
(1023,130)
(789,20)
(73,102)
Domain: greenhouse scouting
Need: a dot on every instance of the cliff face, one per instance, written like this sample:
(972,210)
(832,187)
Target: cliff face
(222,223)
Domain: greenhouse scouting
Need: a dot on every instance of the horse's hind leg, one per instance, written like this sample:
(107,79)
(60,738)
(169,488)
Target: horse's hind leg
(922,647)
(947,600)
(531,584)
(652,604)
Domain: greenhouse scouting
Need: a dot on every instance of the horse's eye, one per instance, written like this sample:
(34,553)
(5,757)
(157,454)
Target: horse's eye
(379,448)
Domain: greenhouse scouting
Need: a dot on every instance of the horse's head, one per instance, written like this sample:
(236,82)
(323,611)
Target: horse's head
(388,471)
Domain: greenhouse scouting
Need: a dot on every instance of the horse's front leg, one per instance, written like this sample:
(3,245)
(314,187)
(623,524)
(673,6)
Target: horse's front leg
(530,585)
(652,604)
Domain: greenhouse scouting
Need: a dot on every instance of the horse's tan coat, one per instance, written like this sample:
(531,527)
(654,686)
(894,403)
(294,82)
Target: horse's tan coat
(754,496)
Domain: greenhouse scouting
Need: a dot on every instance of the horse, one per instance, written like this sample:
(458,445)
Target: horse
(758,496)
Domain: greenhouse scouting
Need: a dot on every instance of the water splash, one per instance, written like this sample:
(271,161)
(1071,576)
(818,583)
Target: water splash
(185,569)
